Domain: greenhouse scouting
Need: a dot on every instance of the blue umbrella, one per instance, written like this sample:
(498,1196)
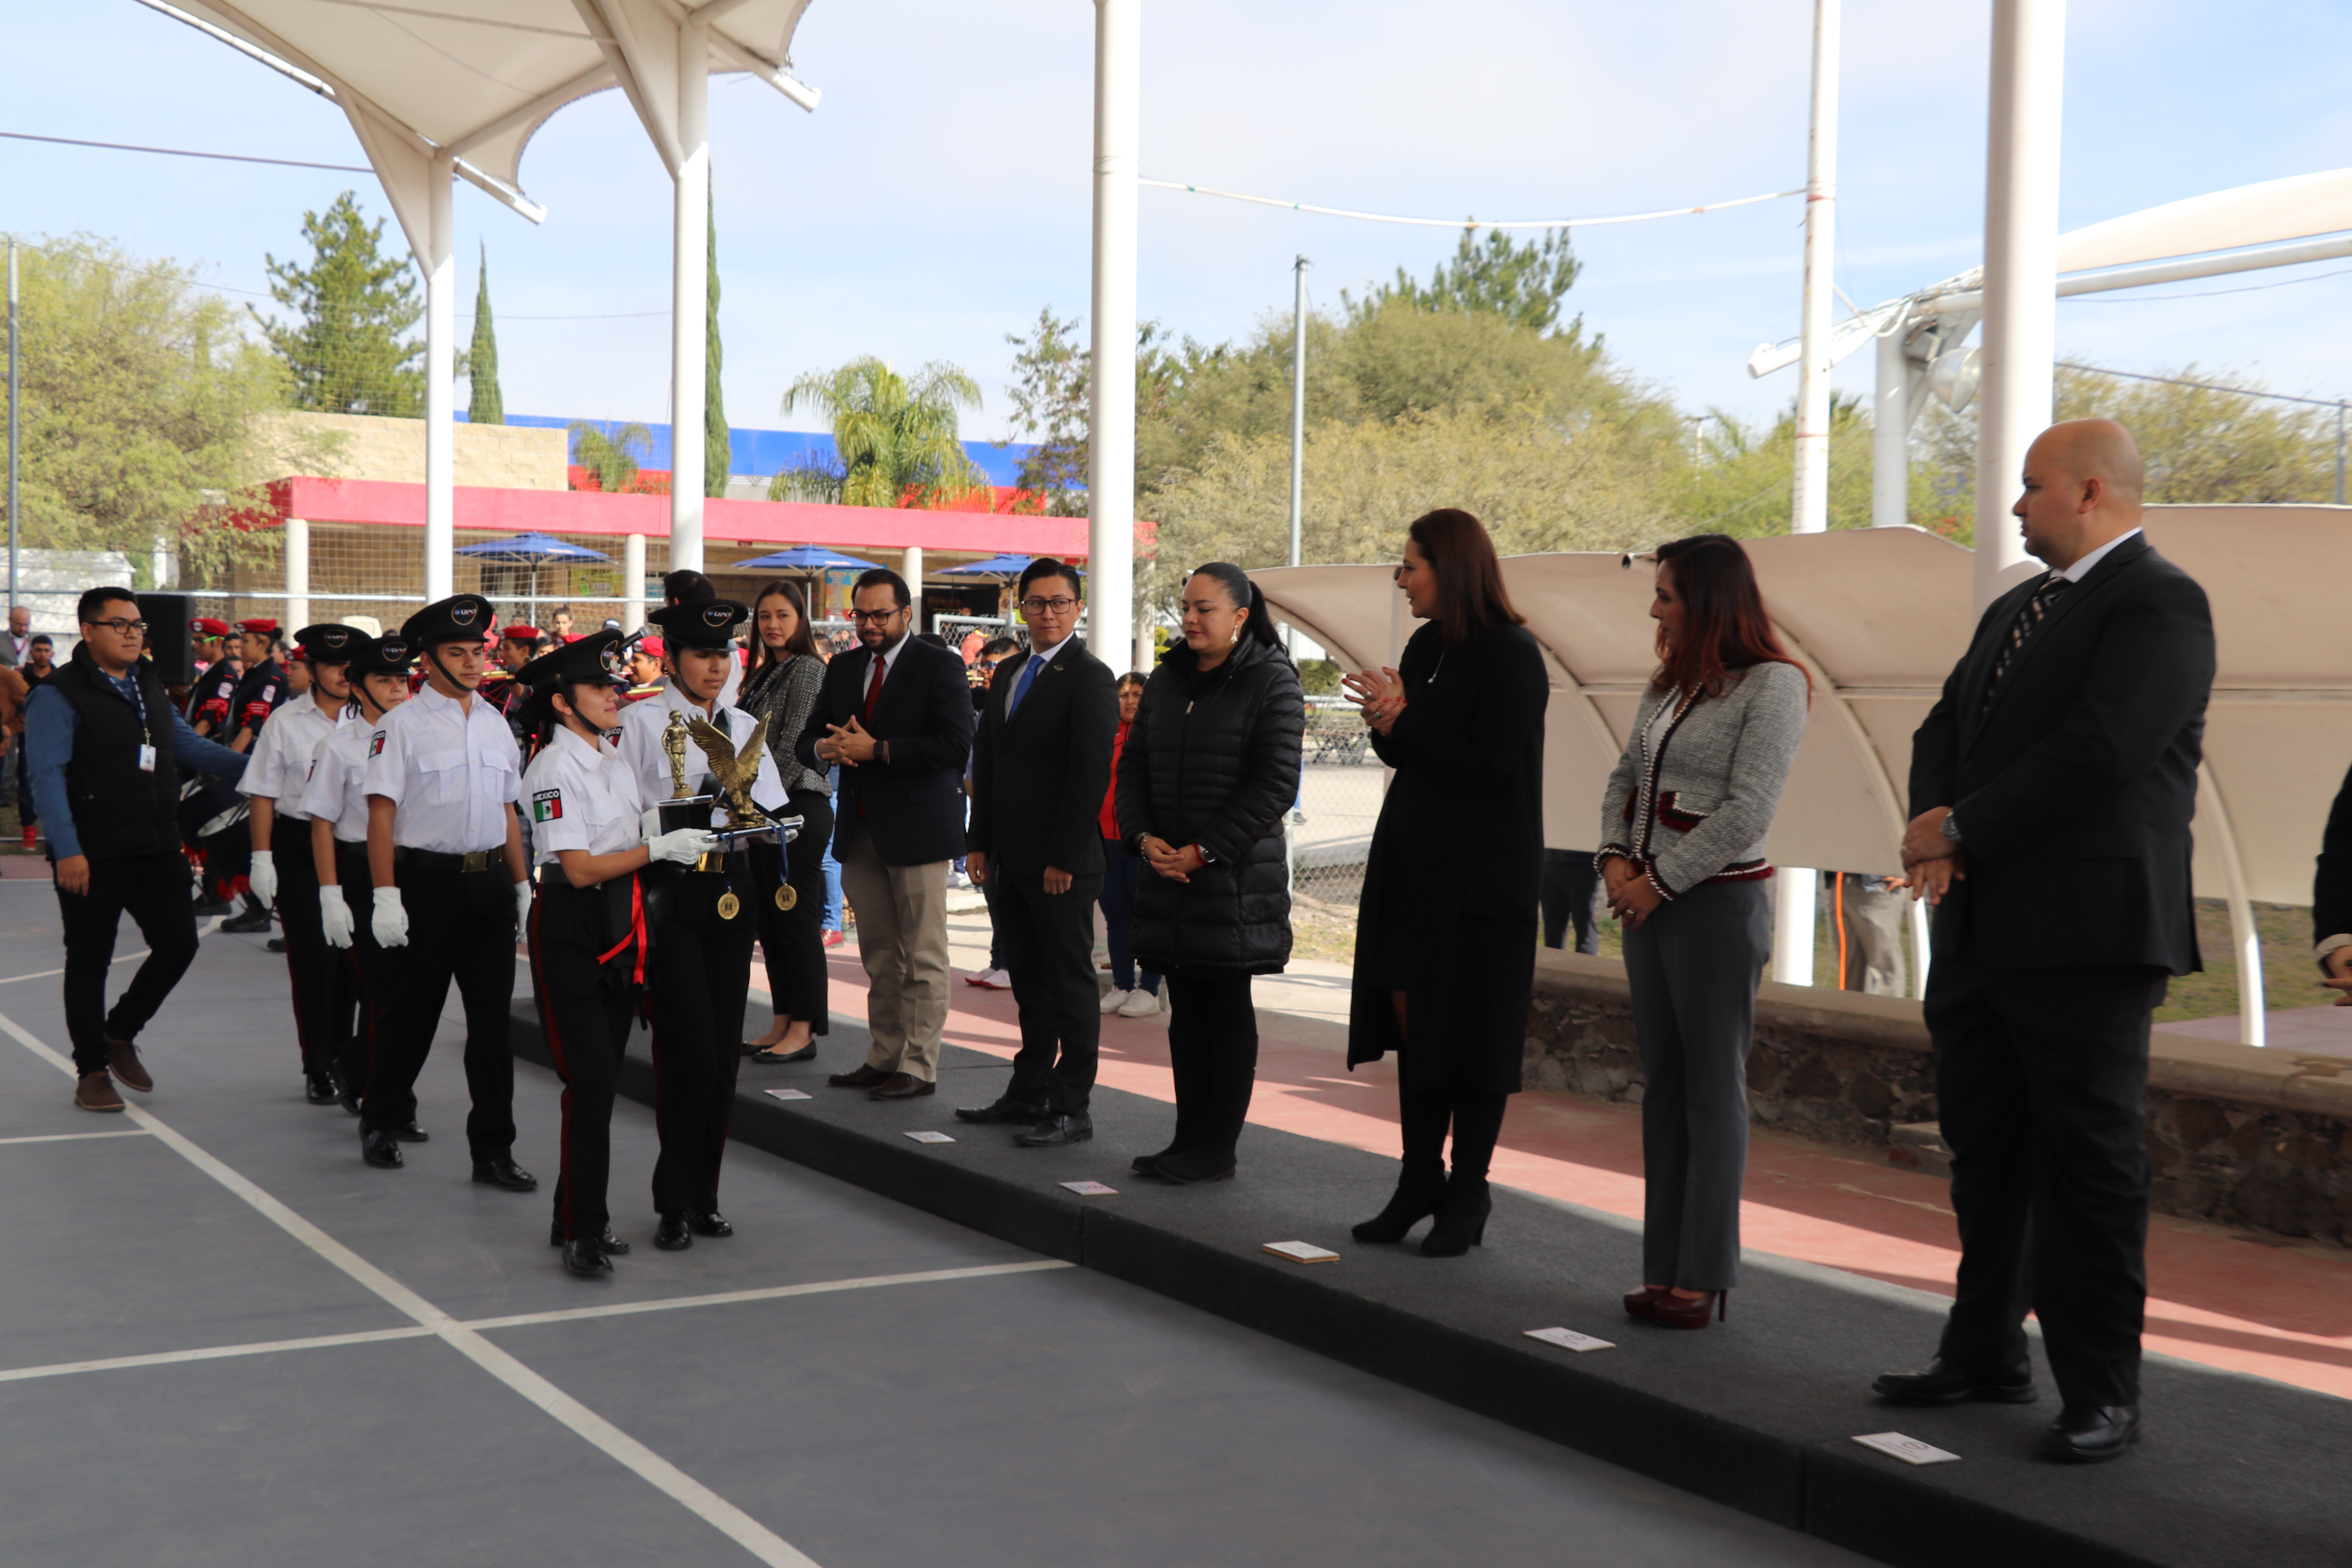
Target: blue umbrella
(1004,568)
(805,558)
(532,550)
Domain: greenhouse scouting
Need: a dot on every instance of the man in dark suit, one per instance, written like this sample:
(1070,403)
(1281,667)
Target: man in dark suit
(897,716)
(2052,788)
(1040,768)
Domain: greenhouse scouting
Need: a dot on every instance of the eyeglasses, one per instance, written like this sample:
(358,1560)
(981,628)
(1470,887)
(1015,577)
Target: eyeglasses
(1061,606)
(875,617)
(119,624)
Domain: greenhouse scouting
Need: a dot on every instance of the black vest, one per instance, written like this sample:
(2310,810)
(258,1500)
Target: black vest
(118,811)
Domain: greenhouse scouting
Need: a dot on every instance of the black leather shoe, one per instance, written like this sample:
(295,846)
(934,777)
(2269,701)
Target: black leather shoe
(251,924)
(349,1098)
(1149,1164)
(2091,1433)
(1023,1112)
(1195,1165)
(608,1244)
(673,1235)
(1941,1383)
(504,1173)
(1057,1132)
(770,1057)
(320,1089)
(276,944)
(709,1223)
(585,1258)
(379,1149)
(409,1132)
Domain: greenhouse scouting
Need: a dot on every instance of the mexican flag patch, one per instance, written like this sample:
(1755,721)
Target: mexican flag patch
(375,746)
(547,806)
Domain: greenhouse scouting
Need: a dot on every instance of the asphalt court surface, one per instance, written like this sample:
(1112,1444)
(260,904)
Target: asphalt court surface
(224,1339)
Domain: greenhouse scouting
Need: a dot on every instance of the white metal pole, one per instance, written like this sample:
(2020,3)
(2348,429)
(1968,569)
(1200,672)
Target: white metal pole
(910,568)
(1110,473)
(2021,271)
(440,391)
(298,574)
(1890,435)
(1297,402)
(15,433)
(689,296)
(1795,889)
(633,582)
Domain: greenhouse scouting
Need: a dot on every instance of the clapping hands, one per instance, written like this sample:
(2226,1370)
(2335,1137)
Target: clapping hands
(1379,694)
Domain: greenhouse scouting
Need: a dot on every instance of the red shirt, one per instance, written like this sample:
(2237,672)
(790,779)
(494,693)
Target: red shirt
(1109,821)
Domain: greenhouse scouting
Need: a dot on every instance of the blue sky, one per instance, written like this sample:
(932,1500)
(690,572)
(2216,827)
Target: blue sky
(939,196)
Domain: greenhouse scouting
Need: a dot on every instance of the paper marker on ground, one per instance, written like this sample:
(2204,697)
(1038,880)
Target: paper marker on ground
(1910,1450)
(1568,1339)
(788,1094)
(1091,1189)
(1302,1252)
(927,1137)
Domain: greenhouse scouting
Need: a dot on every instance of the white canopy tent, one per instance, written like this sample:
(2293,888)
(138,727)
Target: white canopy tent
(1879,616)
(439,94)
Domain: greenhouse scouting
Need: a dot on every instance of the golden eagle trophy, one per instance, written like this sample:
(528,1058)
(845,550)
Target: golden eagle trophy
(734,771)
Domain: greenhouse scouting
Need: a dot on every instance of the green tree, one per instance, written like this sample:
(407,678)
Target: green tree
(145,406)
(894,437)
(1521,282)
(1052,372)
(486,406)
(346,348)
(717,442)
(613,455)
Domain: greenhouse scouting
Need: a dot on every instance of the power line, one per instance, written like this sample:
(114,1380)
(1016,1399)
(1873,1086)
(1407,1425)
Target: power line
(1469,222)
(187,152)
(2203,385)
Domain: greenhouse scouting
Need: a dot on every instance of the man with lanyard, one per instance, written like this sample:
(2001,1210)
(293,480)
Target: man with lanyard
(106,777)
(324,992)
(588,937)
(700,968)
(442,844)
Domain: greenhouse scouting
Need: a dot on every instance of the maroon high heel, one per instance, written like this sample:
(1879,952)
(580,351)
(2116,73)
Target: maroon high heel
(1690,1311)
(1639,1303)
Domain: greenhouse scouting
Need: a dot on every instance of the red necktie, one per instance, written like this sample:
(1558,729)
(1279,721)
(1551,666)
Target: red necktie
(873,695)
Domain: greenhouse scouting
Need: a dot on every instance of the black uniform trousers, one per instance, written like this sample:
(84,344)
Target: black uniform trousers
(461,927)
(698,971)
(1049,948)
(792,941)
(153,890)
(1212,1054)
(368,967)
(2040,1074)
(325,986)
(584,1009)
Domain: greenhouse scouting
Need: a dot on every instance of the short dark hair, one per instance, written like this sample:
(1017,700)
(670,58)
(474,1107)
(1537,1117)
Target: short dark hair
(1134,677)
(1047,566)
(42,639)
(94,600)
(685,584)
(999,647)
(880,577)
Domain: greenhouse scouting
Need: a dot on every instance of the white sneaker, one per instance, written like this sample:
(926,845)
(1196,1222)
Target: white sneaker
(1139,1005)
(1113,998)
(992,980)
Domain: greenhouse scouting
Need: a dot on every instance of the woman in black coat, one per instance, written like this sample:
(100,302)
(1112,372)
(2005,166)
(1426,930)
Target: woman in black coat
(1209,768)
(1445,932)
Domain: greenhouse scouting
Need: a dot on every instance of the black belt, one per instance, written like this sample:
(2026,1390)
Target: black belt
(434,861)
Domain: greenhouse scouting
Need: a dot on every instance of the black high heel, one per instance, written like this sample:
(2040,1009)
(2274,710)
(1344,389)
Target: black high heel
(1420,1193)
(1461,1219)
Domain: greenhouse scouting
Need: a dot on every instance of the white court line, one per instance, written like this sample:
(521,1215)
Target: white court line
(680,1488)
(204,930)
(75,1137)
(210,1353)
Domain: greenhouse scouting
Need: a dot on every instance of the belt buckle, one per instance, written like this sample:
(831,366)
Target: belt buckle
(474,860)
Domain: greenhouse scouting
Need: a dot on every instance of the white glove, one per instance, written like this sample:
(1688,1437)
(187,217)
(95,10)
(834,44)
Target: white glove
(685,846)
(389,924)
(523,891)
(335,915)
(263,878)
(650,824)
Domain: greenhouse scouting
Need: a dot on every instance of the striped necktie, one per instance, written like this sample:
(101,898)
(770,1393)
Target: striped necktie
(2028,621)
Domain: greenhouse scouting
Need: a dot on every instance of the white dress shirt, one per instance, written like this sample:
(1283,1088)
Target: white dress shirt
(579,796)
(2082,569)
(338,786)
(279,766)
(642,724)
(450,769)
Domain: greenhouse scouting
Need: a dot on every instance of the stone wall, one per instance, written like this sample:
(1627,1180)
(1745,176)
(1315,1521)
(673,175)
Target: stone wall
(367,447)
(2242,1136)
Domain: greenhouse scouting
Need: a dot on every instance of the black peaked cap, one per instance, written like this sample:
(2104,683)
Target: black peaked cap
(572,664)
(709,623)
(461,617)
(381,656)
(329,642)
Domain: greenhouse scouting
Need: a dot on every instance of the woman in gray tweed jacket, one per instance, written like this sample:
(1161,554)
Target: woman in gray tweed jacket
(1682,823)
(786,673)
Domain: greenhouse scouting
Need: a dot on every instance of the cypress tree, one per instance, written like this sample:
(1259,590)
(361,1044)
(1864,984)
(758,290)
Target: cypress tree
(488,407)
(717,455)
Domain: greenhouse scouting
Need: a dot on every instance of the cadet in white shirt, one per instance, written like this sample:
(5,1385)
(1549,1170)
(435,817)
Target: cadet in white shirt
(336,799)
(325,993)
(588,928)
(700,969)
(445,856)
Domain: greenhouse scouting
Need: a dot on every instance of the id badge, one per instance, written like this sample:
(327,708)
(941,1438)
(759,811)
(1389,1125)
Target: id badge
(146,758)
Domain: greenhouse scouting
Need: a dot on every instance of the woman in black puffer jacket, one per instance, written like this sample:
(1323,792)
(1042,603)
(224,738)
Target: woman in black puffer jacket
(1209,769)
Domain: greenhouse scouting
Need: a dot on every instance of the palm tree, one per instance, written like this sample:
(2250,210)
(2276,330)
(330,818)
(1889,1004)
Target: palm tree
(614,457)
(895,436)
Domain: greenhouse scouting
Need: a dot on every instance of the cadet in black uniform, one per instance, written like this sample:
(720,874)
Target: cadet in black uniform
(588,956)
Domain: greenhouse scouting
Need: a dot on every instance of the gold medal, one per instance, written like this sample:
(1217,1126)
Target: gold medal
(729,904)
(786,897)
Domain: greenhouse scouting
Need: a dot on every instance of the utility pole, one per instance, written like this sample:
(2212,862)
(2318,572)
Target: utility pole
(1298,402)
(15,427)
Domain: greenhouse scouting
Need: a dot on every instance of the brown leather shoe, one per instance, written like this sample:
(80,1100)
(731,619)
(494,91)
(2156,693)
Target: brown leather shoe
(902,1086)
(96,1092)
(123,1058)
(864,1078)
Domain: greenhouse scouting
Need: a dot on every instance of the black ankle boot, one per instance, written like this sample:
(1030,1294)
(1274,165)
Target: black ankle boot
(1420,1190)
(1461,1219)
